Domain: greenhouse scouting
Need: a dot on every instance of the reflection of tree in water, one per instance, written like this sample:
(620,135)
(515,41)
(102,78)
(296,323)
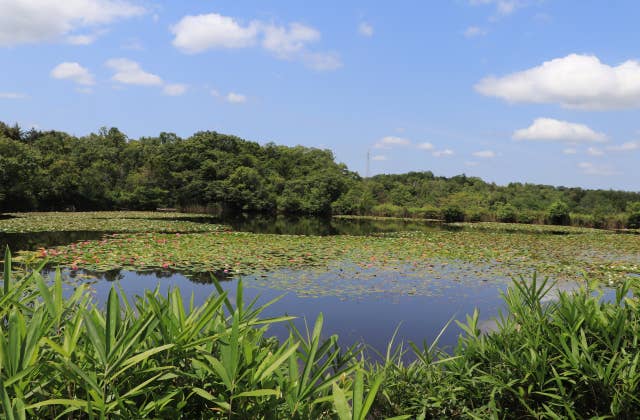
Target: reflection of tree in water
(34,240)
(117,275)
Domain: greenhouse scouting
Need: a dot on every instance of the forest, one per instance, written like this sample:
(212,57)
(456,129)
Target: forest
(53,170)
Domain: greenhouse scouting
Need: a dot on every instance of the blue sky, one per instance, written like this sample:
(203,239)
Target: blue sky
(543,91)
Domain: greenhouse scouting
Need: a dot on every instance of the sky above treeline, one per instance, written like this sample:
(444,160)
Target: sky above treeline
(543,91)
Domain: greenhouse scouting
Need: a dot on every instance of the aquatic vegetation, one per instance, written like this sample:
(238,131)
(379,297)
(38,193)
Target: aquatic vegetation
(107,221)
(484,253)
(161,357)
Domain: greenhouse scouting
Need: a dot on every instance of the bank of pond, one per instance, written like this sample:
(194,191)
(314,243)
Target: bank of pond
(244,319)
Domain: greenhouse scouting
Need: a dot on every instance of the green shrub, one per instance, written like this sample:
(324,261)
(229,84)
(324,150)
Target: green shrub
(425,212)
(476,214)
(452,214)
(389,210)
(506,213)
(633,220)
(558,214)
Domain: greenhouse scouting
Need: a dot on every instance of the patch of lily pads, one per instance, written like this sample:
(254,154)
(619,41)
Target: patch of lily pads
(480,254)
(112,221)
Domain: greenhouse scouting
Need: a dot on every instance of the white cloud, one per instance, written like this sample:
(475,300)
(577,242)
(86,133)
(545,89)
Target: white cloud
(443,153)
(194,34)
(589,168)
(594,151)
(425,146)
(570,151)
(235,98)
(575,81)
(286,43)
(474,31)
(503,7)
(175,89)
(73,71)
(365,29)
(198,33)
(129,72)
(12,95)
(32,21)
(322,61)
(484,154)
(549,129)
(390,142)
(625,147)
(379,157)
(85,39)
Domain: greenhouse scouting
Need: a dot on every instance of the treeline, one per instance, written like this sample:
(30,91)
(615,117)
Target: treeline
(52,170)
(463,198)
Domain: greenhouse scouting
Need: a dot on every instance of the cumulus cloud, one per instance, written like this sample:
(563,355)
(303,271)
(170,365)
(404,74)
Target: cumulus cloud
(131,73)
(12,95)
(194,34)
(575,81)
(391,141)
(425,146)
(175,89)
(625,147)
(73,71)
(32,21)
(198,33)
(484,154)
(235,98)
(549,129)
(443,153)
(379,157)
(474,31)
(365,29)
(589,168)
(286,42)
(570,151)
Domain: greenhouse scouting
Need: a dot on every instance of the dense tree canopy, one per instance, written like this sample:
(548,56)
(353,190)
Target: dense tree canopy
(52,170)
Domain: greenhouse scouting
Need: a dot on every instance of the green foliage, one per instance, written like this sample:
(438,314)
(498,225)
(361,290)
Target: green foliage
(558,213)
(575,356)
(634,215)
(506,213)
(452,214)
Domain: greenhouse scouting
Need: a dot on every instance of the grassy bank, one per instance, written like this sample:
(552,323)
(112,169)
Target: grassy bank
(60,356)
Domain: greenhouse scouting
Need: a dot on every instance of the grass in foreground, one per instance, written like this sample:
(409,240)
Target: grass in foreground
(60,357)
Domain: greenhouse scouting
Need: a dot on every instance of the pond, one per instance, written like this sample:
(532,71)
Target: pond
(416,283)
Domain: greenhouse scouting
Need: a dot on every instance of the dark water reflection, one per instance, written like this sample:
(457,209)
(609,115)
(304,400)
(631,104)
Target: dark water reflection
(320,226)
(34,240)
